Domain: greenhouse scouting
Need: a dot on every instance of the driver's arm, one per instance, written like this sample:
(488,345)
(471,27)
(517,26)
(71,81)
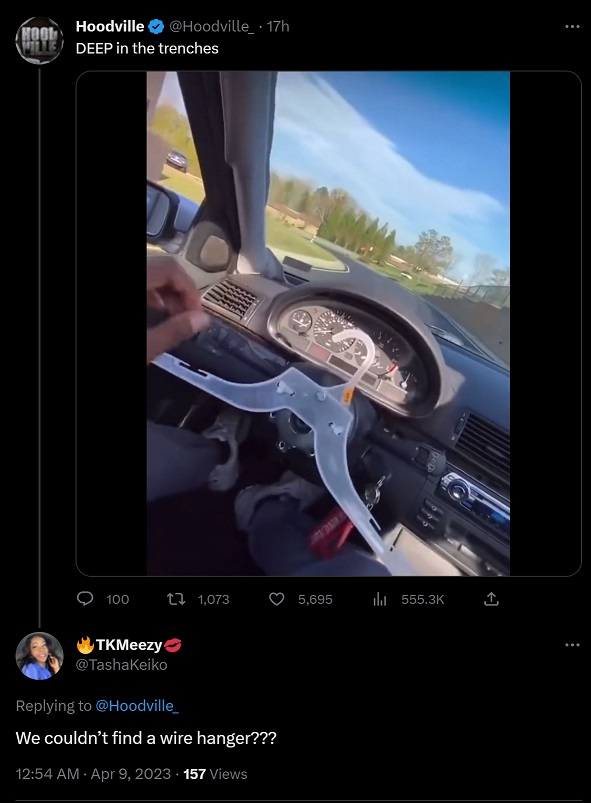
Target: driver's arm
(170,289)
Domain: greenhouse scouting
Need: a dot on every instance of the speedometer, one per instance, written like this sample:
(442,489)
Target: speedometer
(330,323)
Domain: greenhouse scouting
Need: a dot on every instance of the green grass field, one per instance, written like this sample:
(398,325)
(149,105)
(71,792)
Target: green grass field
(280,235)
(183,183)
(287,238)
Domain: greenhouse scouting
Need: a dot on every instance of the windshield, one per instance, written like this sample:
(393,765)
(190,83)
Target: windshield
(404,175)
(400,178)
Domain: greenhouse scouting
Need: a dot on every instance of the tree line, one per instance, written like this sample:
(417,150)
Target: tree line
(342,221)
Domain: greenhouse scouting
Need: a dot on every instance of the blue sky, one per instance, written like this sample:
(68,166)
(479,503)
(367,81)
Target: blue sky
(419,150)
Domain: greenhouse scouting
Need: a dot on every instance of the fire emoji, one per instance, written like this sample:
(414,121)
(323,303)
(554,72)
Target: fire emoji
(84,646)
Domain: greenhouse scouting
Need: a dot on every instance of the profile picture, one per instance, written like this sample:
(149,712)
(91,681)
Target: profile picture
(39,40)
(39,656)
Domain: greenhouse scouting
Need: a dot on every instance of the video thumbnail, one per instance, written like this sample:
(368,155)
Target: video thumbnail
(328,324)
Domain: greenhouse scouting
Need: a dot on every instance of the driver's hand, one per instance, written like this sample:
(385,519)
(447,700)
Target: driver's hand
(169,287)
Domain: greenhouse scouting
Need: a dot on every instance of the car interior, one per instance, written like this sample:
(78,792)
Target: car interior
(429,419)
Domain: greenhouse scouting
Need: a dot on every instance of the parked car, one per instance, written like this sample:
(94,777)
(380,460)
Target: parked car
(178,160)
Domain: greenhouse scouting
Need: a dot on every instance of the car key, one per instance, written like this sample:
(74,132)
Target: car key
(373,493)
(331,535)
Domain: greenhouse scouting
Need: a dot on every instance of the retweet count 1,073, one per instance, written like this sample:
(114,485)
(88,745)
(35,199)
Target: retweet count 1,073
(213,599)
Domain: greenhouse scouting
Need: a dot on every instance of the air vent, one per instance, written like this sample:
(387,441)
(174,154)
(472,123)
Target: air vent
(236,302)
(487,446)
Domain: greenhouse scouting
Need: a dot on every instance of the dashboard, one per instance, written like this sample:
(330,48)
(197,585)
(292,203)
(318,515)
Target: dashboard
(443,412)
(442,429)
(442,426)
(398,377)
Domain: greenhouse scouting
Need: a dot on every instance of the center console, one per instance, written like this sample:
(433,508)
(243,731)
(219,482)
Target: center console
(478,504)
(465,522)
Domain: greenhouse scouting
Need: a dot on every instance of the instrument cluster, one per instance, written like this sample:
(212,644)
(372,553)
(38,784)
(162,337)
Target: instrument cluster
(396,375)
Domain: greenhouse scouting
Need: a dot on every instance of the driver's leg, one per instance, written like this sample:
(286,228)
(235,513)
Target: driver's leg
(279,528)
(178,460)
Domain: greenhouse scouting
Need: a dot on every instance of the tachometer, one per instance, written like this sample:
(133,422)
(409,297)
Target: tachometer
(389,352)
(300,321)
(331,323)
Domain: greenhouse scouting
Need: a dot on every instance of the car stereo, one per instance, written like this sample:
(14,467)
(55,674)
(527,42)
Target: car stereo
(476,503)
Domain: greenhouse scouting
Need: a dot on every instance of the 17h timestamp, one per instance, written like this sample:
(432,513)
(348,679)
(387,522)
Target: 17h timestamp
(277,26)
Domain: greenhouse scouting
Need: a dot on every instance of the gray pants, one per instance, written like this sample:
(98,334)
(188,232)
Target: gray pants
(179,461)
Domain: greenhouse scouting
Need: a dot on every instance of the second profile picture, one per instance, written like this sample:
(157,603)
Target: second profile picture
(39,656)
